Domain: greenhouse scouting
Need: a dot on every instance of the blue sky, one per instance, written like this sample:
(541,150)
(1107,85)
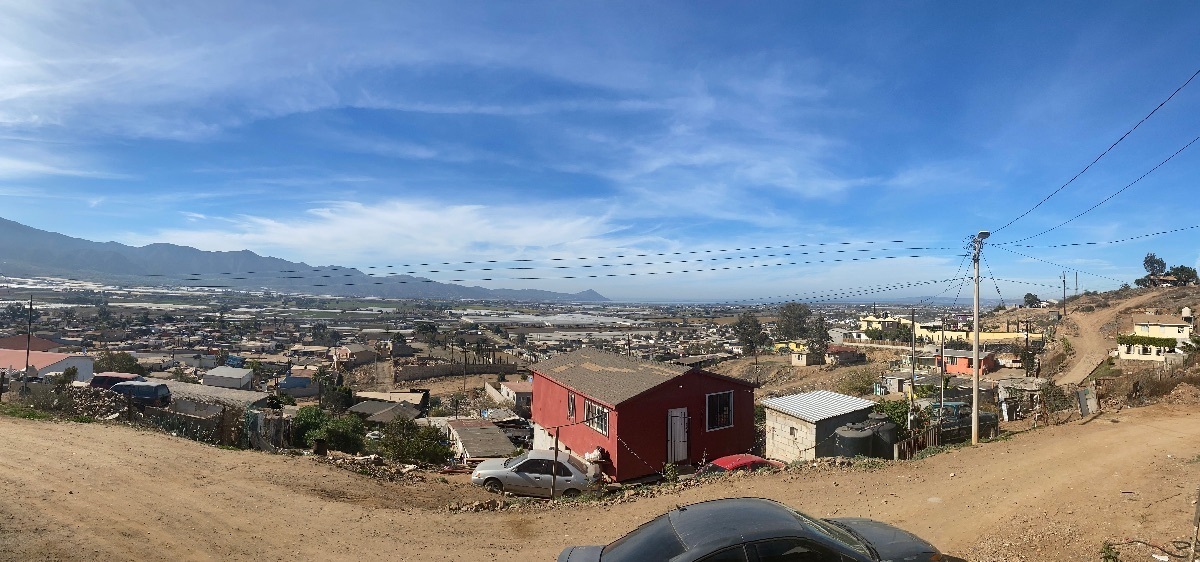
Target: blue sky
(374,134)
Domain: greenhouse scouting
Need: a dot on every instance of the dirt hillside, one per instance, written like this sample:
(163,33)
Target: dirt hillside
(90,491)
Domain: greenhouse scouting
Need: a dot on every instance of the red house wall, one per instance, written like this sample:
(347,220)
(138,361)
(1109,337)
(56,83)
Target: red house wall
(637,439)
(550,410)
(987,364)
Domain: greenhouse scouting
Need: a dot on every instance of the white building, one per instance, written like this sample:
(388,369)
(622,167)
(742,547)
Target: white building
(801,426)
(13,361)
(228,377)
(1155,326)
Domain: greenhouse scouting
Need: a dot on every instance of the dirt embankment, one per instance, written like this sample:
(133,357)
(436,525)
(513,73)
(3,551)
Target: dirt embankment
(89,491)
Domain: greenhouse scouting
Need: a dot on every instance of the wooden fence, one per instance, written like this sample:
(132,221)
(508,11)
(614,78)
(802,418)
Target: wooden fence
(908,448)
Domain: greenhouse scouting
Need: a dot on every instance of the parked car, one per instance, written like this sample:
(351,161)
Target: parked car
(755,529)
(734,463)
(955,420)
(144,394)
(533,473)
(106,380)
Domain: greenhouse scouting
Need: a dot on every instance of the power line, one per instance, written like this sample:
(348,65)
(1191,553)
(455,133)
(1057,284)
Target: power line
(589,276)
(1102,154)
(1059,265)
(1106,199)
(1172,231)
(989,268)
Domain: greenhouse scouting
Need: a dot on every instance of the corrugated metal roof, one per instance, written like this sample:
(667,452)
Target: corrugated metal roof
(817,405)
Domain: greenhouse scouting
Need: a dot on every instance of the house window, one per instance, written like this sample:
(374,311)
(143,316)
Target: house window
(720,410)
(596,416)
(570,405)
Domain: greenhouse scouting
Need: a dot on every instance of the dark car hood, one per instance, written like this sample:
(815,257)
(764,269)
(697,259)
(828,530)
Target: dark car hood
(891,543)
(581,554)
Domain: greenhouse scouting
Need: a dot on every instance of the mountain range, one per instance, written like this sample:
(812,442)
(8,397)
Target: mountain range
(27,251)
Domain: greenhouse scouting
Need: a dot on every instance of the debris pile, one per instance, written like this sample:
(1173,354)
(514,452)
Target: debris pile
(374,466)
(97,403)
(1184,393)
(488,505)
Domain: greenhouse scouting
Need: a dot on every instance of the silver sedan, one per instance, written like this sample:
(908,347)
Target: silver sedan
(533,474)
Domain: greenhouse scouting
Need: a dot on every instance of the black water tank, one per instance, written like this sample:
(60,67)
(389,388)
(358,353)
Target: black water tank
(885,438)
(854,440)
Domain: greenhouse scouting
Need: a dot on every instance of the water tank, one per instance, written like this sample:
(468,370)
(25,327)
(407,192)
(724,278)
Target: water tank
(885,435)
(854,440)
(1186,314)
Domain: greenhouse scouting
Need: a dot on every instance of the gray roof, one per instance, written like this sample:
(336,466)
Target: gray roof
(372,407)
(225,371)
(481,439)
(401,410)
(214,394)
(609,377)
(817,405)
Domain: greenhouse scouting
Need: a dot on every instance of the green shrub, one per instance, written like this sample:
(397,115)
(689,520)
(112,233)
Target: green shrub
(405,441)
(345,433)
(307,424)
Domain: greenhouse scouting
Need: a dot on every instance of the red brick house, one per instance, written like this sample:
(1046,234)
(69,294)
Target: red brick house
(645,414)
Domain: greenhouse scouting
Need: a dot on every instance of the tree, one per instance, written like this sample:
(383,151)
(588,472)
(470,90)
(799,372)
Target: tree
(1154,265)
(793,320)
(405,441)
(749,333)
(1183,274)
(118,362)
(817,339)
(1031,300)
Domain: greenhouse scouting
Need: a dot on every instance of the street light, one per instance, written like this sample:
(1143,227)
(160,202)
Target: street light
(977,244)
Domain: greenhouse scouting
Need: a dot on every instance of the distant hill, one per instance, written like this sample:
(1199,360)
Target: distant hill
(27,251)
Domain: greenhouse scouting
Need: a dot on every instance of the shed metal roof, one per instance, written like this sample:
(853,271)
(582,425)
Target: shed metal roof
(817,405)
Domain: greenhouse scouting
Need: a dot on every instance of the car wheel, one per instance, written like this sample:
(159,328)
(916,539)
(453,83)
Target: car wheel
(570,493)
(494,486)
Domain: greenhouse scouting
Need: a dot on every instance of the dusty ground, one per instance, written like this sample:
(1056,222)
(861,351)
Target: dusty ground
(88,491)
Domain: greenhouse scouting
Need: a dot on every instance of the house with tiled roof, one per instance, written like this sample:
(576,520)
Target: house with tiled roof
(644,414)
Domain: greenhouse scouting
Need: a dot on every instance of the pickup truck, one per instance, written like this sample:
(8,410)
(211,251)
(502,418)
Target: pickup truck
(955,421)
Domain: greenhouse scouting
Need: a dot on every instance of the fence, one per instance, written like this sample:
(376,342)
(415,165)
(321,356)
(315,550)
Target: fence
(908,448)
(415,372)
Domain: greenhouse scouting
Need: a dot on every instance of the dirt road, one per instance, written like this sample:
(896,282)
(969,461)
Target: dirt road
(90,491)
(1091,346)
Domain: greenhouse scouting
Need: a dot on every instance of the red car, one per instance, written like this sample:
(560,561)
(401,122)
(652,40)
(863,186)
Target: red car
(733,463)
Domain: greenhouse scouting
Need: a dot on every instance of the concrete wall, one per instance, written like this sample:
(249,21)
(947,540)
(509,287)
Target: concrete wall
(414,372)
(789,439)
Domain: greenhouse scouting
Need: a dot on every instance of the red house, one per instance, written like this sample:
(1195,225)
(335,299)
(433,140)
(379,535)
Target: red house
(645,414)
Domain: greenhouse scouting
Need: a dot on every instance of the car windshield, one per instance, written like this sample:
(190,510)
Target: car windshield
(713,468)
(655,540)
(834,532)
(516,460)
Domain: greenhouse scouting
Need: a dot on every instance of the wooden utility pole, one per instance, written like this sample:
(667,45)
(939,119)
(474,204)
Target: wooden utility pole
(1064,280)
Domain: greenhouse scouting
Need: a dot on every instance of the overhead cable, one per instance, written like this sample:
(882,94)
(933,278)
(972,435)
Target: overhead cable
(1102,154)
(1106,199)
(1060,265)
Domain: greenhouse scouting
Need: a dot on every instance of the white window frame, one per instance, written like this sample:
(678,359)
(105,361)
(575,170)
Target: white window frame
(708,414)
(596,416)
(570,405)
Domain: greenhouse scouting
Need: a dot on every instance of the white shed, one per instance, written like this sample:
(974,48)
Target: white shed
(228,377)
(801,426)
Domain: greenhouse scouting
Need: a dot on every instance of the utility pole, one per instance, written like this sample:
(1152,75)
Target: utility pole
(1064,279)
(28,344)
(912,384)
(977,244)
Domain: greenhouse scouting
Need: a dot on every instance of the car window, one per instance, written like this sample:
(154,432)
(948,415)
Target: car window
(832,530)
(535,466)
(794,550)
(563,470)
(655,540)
(733,554)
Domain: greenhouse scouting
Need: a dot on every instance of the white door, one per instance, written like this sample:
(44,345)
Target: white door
(677,435)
